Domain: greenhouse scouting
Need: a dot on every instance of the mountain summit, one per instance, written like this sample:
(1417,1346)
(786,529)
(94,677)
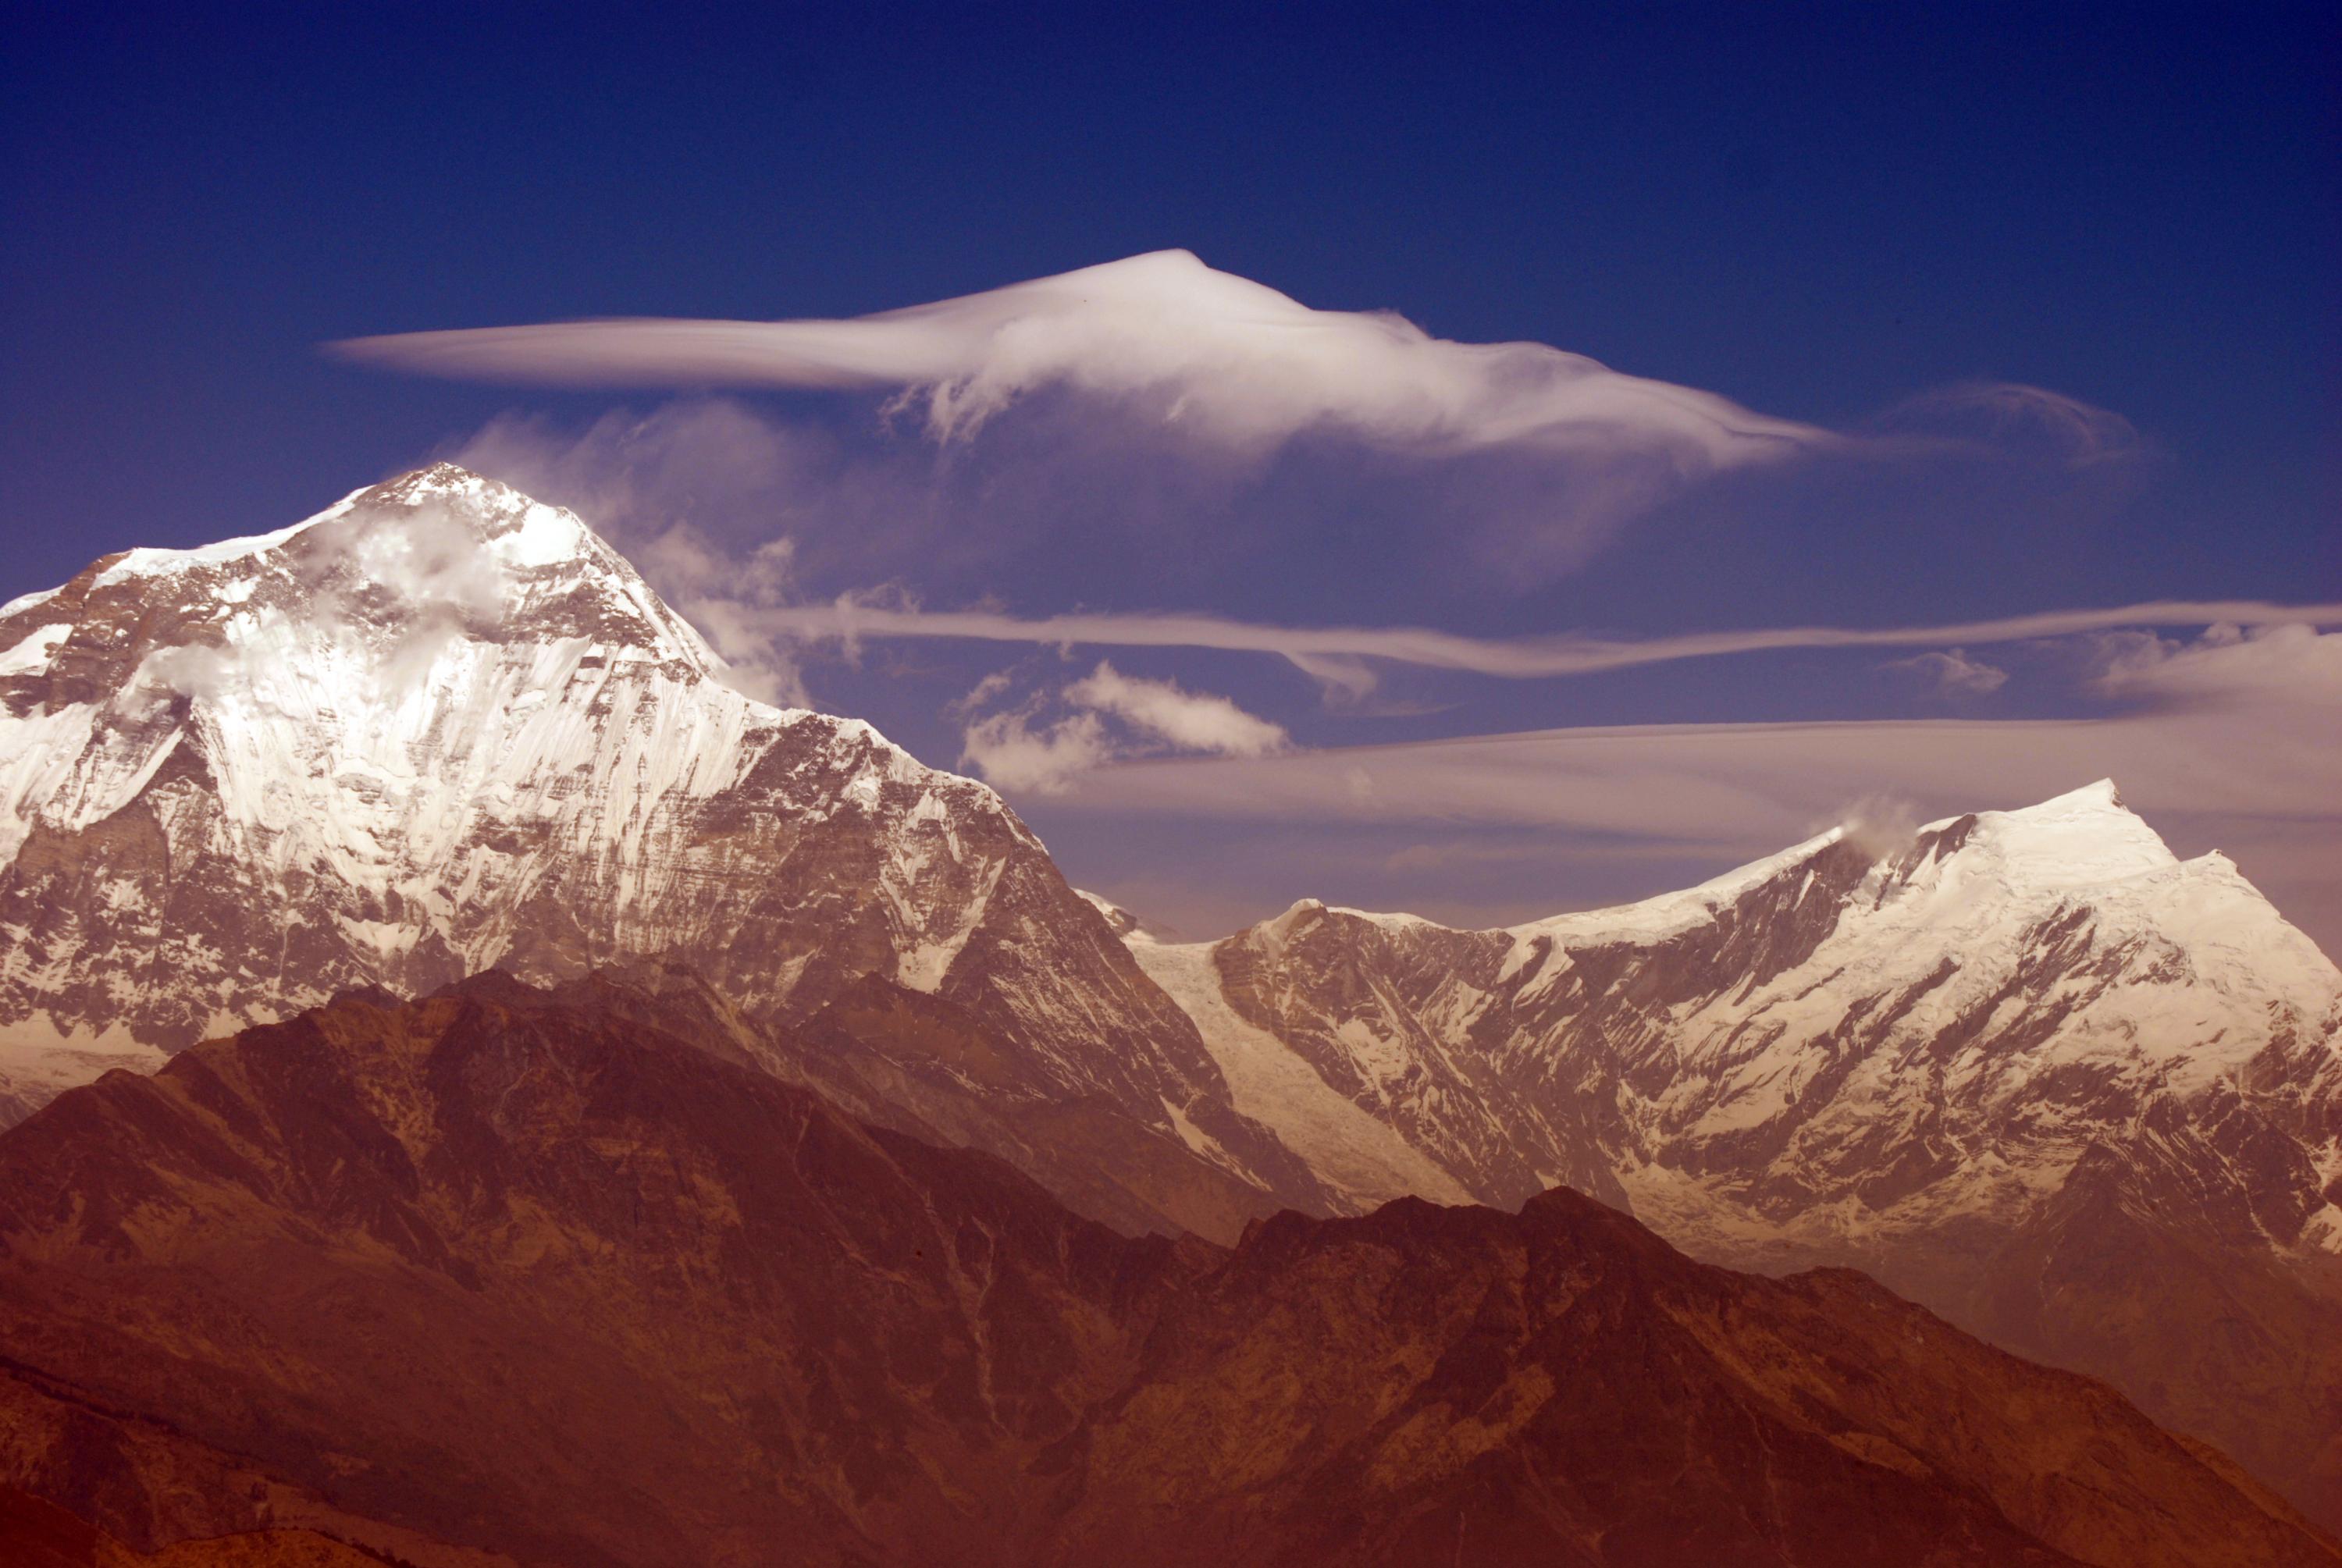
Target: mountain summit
(440,727)
(2027,1067)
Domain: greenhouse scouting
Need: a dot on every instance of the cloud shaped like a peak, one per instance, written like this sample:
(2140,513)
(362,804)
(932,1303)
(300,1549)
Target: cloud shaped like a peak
(1218,357)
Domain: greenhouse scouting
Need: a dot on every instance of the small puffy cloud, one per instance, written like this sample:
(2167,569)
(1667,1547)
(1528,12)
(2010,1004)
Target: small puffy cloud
(1166,711)
(1012,752)
(1951,672)
(2283,664)
(1017,748)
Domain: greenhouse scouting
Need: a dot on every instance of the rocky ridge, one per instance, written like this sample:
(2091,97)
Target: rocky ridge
(515,1272)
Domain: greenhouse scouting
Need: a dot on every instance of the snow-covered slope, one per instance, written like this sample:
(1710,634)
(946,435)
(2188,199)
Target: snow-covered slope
(2031,1066)
(1933,1032)
(440,727)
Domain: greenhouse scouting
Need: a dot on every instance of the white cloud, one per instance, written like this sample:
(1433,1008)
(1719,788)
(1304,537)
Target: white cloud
(1016,750)
(1332,655)
(1011,753)
(1233,361)
(2258,773)
(2287,664)
(1154,392)
(1542,453)
(1189,721)
(1951,672)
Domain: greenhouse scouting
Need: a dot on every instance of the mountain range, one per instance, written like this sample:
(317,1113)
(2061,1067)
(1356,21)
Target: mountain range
(509,1272)
(2027,1067)
(1316,1236)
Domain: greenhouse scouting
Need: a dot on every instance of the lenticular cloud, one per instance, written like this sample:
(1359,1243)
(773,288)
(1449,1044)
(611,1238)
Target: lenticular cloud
(1218,357)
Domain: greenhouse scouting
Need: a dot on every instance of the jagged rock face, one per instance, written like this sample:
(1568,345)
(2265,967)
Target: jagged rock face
(506,1272)
(535,1278)
(440,727)
(1921,1060)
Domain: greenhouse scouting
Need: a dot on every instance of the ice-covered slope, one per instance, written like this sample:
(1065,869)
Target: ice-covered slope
(1967,1063)
(440,727)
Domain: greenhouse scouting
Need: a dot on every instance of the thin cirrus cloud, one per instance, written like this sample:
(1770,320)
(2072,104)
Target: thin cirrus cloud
(2014,420)
(1761,782)
(1705,797)
(1337,654)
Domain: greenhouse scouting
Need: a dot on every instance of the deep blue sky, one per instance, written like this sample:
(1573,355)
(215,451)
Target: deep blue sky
(2134,205)
(1816,212)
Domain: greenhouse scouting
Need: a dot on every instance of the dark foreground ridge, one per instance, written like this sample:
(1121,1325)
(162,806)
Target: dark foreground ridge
(502,1274)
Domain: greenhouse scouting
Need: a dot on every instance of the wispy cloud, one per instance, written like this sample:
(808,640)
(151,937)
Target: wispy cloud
(2016,419)
(1334,654)
(2233,745)
(1755,784)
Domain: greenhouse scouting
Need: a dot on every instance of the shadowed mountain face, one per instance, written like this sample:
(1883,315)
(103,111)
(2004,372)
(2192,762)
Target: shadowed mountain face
(38,1534)
(506,1270)
(440,727)
(2029,1068)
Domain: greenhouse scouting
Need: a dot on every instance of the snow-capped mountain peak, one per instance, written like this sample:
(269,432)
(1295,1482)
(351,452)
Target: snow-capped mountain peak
(2086,838)
(1780,1020)
(438,548)
(440,727)
(350,683)
(2028,1065)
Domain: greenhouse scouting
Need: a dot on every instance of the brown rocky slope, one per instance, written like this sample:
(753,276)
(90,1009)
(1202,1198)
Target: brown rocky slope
(527,1275)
